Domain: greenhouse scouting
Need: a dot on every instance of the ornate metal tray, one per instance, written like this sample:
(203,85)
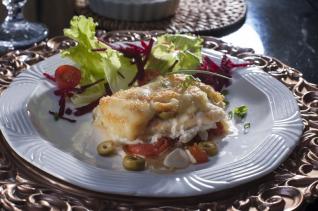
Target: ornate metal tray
(24,188)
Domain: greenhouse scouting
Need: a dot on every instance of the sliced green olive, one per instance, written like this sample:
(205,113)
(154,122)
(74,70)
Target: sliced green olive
(209,147)
(166,115)
(106,148)
(134,163)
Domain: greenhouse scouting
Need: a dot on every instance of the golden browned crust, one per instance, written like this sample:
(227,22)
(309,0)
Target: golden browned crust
(162,106)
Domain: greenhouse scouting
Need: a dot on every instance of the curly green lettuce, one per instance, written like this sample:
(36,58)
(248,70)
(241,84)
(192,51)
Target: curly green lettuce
(111,65)
(175,52)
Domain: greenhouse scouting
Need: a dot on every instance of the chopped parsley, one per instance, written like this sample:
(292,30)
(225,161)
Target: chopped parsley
(240,111)
(226,102)
(224,92)
(164,84)
(189,81)
(247,125)
(230,114)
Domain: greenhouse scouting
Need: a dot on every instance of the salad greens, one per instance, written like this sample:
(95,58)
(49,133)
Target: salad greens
(118,69)
(182,50)
(91,64)
(111,65)
(169,53)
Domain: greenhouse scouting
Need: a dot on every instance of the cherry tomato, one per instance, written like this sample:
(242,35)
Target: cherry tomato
(67,76)
(148,150)
(199,155)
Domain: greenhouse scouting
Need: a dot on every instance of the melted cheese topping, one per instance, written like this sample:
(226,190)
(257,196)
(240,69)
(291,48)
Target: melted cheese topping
(161,108)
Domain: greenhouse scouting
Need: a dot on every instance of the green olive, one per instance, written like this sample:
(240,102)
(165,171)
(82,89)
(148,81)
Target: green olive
(209,147)
(134,163)
(166,115)
(106,148)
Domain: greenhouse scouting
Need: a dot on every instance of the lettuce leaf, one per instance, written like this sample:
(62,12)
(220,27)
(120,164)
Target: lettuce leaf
(119,70)
(169,49)
(111,64)
(91,64)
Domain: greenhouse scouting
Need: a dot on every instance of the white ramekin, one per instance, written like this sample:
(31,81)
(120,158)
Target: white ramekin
(134,10)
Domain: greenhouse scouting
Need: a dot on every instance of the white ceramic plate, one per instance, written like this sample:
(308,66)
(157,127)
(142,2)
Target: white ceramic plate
(68,151)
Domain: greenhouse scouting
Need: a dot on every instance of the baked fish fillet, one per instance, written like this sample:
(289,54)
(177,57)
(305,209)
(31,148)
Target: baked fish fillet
(175,106)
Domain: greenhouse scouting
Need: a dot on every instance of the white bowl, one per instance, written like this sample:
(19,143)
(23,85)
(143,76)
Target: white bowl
(135,10)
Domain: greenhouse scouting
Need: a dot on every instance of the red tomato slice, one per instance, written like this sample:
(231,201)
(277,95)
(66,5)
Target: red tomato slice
(219,130)
(199,155)
(162,144)
(67,77)
(148,150)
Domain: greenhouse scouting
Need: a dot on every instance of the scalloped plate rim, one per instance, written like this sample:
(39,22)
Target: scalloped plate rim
(189,178)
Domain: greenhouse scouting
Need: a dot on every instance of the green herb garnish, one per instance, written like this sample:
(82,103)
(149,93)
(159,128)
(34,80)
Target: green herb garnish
(230,114)
(247,125)
(240,111)
(163,84)
(56,116)
(226,102)
(225,92)
(189,81)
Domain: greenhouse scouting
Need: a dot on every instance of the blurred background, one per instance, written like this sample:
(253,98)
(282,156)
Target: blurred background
(54,14)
